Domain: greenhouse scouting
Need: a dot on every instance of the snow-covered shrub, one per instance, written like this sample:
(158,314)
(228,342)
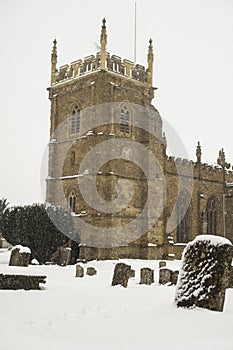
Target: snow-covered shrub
(204,274)
(31,226)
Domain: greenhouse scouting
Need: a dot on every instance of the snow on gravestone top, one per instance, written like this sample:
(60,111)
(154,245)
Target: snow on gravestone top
(204,273)
(22,249)
(20,256)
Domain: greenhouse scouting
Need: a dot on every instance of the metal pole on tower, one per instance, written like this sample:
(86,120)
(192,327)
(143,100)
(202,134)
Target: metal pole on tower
(135,31)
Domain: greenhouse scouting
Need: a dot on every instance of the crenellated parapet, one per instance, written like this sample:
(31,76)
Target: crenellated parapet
(102,61)
(208,171)
(91,64)
(178,164)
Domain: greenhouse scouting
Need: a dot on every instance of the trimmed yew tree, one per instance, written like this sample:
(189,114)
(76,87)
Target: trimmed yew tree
(32,226)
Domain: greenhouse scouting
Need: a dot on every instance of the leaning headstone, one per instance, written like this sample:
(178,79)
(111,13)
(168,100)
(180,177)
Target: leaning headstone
(174,277)
(164,276)
(162,264)
(20,256)
(79,271)
(204,274)
(146,276)
(122,273)
(91,271)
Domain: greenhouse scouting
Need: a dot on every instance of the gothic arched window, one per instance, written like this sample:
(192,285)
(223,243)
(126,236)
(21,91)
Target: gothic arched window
(125,121)
(75,121)
(72,201)
(183,218)
(211,216)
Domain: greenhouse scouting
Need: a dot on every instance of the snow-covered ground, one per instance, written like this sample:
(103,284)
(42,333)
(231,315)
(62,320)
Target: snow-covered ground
(88,313)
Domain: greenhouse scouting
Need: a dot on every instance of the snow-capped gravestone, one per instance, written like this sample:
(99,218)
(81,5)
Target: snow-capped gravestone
(20,256)
(122,273)
(146,276)
(205,272)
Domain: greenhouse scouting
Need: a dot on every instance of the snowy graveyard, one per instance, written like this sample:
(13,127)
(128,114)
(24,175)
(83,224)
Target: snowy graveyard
(88,313)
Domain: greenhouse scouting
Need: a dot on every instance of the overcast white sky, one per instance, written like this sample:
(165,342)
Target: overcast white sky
(193,43)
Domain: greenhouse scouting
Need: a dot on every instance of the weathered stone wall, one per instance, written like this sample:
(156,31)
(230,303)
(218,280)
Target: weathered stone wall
(123,252)
(66,154)
(207,183)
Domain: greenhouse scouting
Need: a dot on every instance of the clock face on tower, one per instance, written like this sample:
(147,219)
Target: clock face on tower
(127,153)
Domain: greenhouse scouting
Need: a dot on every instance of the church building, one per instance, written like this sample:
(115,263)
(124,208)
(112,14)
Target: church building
(108,164)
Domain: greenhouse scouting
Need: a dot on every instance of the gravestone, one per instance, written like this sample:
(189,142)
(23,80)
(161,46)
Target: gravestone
(164,275)
(91,271)
(146,276)
(162,264)
(20,256)
(65,256)
(62,256)
(79,271)
(122,273)
(174,277)
(205,272)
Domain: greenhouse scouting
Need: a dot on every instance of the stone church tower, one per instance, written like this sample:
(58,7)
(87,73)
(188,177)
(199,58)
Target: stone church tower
(102,117)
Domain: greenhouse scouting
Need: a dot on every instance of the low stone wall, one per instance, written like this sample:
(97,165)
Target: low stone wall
(27,282)
(127,252)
